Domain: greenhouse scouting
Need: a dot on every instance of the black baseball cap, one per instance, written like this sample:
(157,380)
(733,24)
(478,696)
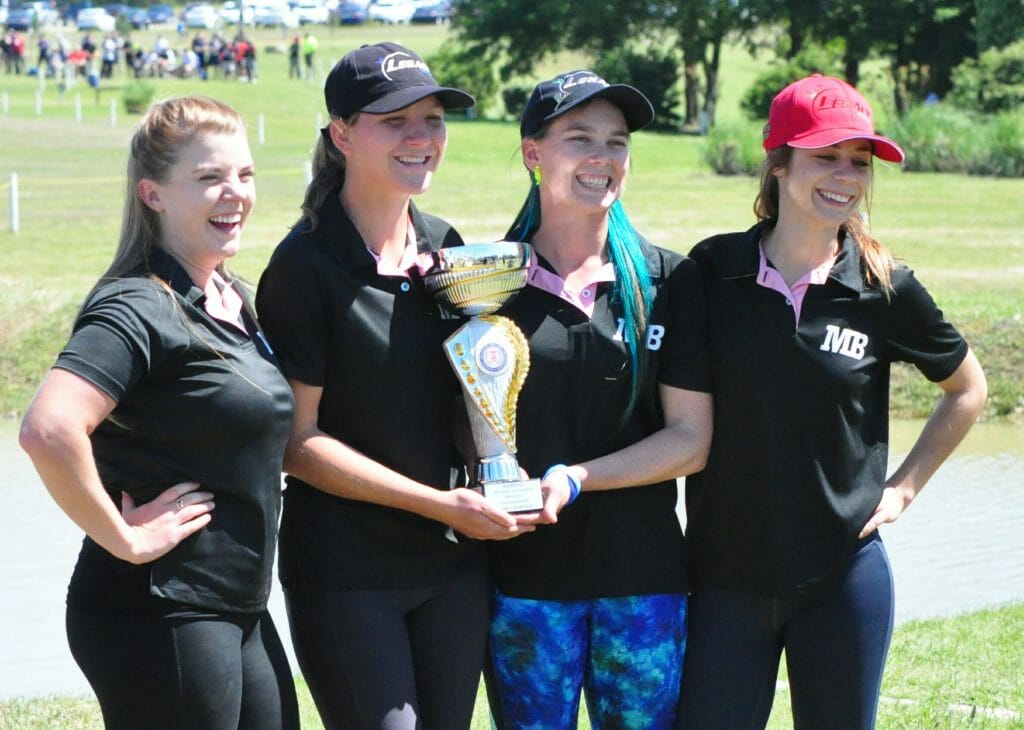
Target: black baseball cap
(383,78)
(551,99)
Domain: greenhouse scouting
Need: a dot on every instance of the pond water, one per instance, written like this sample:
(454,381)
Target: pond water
(959,548)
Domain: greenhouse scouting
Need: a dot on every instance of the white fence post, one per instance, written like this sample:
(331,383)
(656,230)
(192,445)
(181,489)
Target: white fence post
(15,214)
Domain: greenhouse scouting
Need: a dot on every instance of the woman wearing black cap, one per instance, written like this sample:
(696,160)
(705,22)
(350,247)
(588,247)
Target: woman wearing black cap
(387,598)
(613,410)
(806,313)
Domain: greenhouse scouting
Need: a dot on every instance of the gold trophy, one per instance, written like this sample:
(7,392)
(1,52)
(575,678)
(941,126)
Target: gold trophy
(490,357)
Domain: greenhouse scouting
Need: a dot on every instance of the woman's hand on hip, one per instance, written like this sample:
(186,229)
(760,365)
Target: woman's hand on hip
(889,508)
(160,525)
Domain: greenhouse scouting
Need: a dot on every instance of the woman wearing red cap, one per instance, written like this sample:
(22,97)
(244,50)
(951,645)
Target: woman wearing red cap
(388,606)
(807,312)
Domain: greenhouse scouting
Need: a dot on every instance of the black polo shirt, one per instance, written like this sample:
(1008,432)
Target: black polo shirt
(374,344)
(197,400)
(798,458)
(617,542)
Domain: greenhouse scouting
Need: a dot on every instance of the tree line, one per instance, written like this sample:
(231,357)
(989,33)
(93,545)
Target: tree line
(922,41)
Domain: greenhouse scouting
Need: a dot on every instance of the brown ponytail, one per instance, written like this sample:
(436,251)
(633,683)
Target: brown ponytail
(328,171)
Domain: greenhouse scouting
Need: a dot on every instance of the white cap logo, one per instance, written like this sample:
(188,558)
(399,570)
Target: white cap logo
(401,61)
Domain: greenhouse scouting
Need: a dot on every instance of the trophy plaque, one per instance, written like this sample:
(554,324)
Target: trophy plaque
(490,357)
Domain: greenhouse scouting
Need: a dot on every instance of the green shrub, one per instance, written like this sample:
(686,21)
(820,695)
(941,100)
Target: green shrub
(813,59)
(1004,142)
(653,70)
(993,82)
(515,97)
(734,149)
(998,22)
(943,138)
(461,67)
(138,95)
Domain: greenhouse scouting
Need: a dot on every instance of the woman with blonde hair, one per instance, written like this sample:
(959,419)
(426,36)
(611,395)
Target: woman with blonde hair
(385,587)
(160,431)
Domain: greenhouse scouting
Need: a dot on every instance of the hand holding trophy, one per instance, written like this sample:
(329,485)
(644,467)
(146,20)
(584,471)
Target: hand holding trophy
(491,358)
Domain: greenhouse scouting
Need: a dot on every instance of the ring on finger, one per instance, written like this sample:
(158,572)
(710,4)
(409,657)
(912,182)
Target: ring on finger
(179,504)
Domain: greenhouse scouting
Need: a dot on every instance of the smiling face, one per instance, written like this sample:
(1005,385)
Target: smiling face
(205,200)
(396,152)
(584,159)
(824,186)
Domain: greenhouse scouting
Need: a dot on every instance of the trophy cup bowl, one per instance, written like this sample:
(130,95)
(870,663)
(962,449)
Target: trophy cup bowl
(478,278)
(491,357)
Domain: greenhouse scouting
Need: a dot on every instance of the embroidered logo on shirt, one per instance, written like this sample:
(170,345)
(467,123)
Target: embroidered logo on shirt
(850,343)
(655,333)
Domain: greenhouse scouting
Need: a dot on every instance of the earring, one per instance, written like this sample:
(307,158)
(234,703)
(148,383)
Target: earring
(535,174)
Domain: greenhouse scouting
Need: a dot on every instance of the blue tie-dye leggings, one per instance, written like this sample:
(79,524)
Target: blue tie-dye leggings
(626,652)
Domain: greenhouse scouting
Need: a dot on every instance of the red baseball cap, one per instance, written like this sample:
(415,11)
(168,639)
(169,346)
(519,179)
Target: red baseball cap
(819,111)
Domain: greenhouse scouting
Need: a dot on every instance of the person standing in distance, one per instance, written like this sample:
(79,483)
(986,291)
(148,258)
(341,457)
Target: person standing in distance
(387,596)
(166,400)
(615,407)
(806,314)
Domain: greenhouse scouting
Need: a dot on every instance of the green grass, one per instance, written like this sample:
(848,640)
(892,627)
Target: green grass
(964,672)
(961,234)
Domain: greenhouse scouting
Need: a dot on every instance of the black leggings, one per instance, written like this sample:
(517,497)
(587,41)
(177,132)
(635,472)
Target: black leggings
(212,673)
(393,659)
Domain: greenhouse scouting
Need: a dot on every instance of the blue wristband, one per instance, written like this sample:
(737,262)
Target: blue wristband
(575,487)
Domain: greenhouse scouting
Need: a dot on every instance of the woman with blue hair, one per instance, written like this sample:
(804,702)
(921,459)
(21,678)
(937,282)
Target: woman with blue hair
(614,409)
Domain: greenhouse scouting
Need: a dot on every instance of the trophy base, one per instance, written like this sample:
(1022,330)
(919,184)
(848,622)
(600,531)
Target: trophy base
(514,496)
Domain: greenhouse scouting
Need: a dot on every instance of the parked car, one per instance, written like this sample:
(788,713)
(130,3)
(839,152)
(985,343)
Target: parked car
(20,18)
(69,12)
(348,13)
(437,13)
(25,16)
(138,18)
(230,12)
(116,9)
(311,11)
(391,11)
(275,16)
(95,19)
(201,16)
(44,10)
(160,13)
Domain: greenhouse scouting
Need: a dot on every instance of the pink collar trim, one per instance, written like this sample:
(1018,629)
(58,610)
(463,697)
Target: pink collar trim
(770,278)
(552,283)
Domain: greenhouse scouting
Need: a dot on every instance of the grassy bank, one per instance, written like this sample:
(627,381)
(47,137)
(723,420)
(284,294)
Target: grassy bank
(961,234)
(947,674)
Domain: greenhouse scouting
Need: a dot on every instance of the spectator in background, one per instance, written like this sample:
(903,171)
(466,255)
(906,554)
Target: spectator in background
(188,67)
(43,63)
(17,51)
(309,46)
(89,46)
(249,61)
(5,53)
(294,69)
(199,47)
(111,53)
